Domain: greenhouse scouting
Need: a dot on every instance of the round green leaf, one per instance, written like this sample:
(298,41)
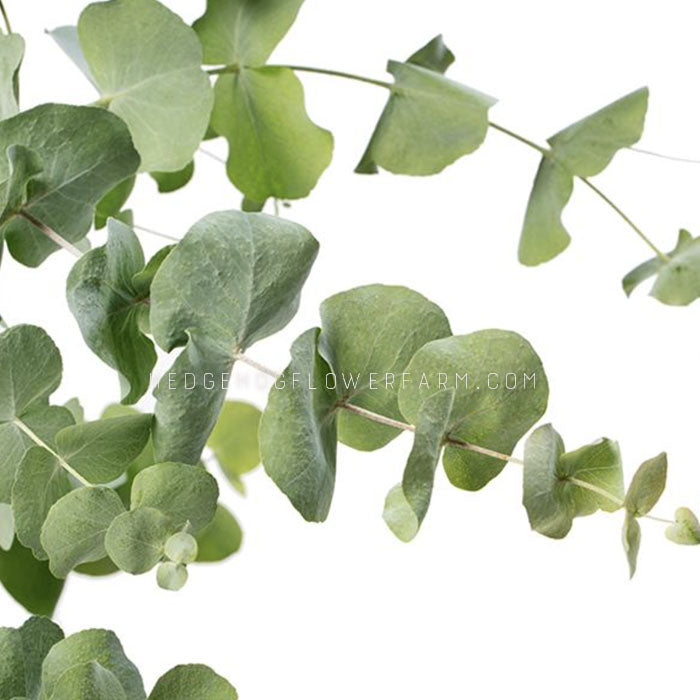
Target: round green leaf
(221,538)
(192,681)
(181,548)
(171,576)
(135,540)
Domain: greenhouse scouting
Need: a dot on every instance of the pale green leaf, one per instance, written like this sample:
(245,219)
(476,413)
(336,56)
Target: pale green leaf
(41,481)
(407,504)
(428,123)
(185,493)
(275,150)
(38,634)
(501,391)
(106,297)
(24,169)
(76,409)
(7,527)
(113,202)
(647,486)
(74,530)
(686,529)
(677,277)
(102,450)
(11,54)
(101,646)
(135,540)
(173,181)
(68,41)
(192,681)
(298,433)
(551,496)
(234,279)
(89,680)
(631,539)
(29,580)
(146,63)
(234,440)
(181,548)
(85,152)
(434,56)
(171,576)
(587,147)
(369,336)
(543,236)
(244,32)
(221,538)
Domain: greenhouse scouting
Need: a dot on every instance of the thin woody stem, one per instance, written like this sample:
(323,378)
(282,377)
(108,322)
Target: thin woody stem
(50,233)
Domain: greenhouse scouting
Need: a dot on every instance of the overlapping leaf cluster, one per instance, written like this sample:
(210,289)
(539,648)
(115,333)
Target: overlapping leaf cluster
(40,663)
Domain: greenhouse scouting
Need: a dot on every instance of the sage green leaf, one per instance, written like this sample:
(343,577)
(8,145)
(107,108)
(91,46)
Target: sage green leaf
(146,63)
(76,410)
(298,433)
(369,336)
(24,167)
(77,173)
(143,279)
(434,56)
(11,54)
(275,150)
(234,441)
(559,486)
(647,486)
(587,147)
(686,529)
(407,504)
(190,681)
(12,681)
(74,530)
(583,149)
(103,567)
(102,450)
(677,276)
(172,181)
(107,304)
(68,41)
(185,493)
(234,279)
(7,527)
(113,202)
(89,680)
(135,539)
(171,576)
(221,538)
(631,539)
(242,32)
(543,236)
(41,481)
(250,205)
(29,580)
(428,123)
(181,548)
(101,646)
(501,391)
(38,634)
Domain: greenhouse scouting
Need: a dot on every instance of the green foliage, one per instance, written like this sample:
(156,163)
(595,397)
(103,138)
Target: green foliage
(583,149)
(160,91)
(11,54)
(686,529)
(40,663)
(559,486)
(429,121)
(677,275)
(113,202)
(108,295)
(221,538)
(234,441)
(67,178)
(171,182)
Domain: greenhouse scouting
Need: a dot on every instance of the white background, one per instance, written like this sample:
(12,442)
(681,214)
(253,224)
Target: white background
(477,606)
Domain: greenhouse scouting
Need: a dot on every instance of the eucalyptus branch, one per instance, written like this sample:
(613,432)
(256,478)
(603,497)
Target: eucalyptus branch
(50,233)
(664,156)
(5,18)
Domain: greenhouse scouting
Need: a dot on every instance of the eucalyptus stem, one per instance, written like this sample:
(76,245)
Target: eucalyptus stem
(5,18)
(665,156)
(37,440)
(338,74)
(50,233)
(155,233)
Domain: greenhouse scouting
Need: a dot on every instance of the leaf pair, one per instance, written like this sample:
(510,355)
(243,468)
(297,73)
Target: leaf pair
(39,662)
(275,150)
(583,149)
(388,350)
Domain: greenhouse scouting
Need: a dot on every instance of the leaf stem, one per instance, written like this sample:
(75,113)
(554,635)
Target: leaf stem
(678,159)
(5,18)
(338,74)
(544,151)
(211,155)
(155,233)
(240,357)
(595,489)
(36,439)
(50,233)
